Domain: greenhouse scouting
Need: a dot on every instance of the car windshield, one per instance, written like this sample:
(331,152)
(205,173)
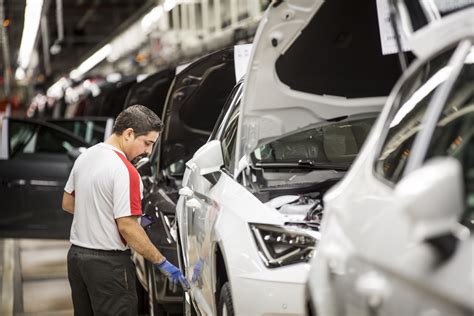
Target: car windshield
(326,145)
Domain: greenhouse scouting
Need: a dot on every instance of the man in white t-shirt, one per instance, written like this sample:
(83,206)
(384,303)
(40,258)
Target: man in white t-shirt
(104,192)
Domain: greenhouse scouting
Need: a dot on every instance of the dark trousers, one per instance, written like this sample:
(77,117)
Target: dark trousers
(102,282)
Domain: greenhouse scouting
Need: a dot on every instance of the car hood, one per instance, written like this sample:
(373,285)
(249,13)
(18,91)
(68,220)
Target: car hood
(152,91)
(194,102)
(308,64)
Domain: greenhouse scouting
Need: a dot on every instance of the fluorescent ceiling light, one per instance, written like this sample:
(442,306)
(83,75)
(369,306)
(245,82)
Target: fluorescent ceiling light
(57,89)
(151,18)
(32,19)
(169,5)
(91,62)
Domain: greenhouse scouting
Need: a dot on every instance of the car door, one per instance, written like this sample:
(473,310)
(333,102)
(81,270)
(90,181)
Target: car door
(34,168)
(199,210)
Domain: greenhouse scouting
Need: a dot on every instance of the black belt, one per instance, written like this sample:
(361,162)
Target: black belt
(101,252)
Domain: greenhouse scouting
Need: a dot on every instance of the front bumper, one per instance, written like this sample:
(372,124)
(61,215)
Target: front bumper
(279,291)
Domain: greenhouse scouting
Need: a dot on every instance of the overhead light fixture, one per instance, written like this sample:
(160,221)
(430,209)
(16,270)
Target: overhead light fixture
(32,19)
(169,5)
(57,89)
(20,74)
(151,18)
(91,62)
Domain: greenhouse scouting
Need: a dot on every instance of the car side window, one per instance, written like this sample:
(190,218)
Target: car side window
(454,135)
(228,139)
(407,113)
(232,99)
(31,138)
(20,134)
(92,132)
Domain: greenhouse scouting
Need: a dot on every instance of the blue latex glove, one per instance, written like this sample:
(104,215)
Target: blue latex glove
(174,275)
(197,271)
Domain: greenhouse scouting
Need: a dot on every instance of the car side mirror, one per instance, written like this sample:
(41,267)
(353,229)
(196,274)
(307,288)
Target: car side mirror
(209,158)
(432,197)
(176,169)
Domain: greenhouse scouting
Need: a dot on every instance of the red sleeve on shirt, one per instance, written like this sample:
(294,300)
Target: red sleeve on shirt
(134,181)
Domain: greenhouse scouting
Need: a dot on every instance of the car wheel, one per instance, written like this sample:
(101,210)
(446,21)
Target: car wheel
(226,306)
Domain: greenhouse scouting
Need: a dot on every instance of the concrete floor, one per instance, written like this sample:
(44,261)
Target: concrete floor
(34,277)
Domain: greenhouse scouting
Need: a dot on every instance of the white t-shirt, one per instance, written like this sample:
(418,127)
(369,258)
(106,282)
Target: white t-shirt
(106,186)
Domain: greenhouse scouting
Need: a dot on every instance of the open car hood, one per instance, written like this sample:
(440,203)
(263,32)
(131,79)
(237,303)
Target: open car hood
(194,102)
(313,61)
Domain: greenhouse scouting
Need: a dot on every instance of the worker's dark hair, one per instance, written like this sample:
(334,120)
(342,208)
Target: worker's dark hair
(138,117)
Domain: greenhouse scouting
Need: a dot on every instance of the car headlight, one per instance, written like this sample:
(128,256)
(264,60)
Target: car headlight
(279,246)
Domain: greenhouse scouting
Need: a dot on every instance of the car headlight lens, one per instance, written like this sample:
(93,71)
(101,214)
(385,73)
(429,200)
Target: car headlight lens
(279,246)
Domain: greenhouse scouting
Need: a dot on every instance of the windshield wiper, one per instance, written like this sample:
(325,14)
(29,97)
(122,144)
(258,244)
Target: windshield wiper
(307,164)
(321,165)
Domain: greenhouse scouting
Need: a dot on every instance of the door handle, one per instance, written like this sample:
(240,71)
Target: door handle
(374,287)
(186,192)
(193,203)
(14,183)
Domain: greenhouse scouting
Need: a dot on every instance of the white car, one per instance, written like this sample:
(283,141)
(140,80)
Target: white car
(397,230)
(248,214)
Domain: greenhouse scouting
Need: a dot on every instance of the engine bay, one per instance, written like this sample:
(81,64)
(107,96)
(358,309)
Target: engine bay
(303,210)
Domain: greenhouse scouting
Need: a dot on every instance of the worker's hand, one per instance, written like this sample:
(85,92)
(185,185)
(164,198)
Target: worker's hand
(173,274)
(197,271)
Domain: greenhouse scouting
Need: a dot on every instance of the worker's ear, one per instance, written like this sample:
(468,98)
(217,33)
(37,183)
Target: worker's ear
(128,133)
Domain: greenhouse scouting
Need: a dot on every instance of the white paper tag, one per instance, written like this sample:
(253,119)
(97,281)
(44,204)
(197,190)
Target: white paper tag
(241,60)
(387,37)
(180,68)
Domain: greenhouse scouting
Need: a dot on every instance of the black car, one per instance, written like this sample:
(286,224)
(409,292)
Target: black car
(194,103)
(35,161)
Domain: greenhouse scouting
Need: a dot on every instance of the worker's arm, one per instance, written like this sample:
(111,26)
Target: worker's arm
(137,239)
(68,202)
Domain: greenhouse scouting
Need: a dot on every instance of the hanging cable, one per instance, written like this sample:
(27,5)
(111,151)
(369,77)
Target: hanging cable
(59,20)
